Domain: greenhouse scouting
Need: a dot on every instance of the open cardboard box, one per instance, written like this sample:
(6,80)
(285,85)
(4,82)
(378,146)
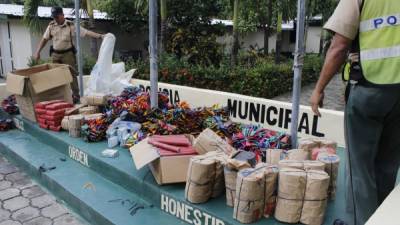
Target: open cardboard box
(39,83)
(165,169)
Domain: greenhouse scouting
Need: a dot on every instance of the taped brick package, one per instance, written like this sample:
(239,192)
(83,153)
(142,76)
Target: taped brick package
(49,114)
(302,196)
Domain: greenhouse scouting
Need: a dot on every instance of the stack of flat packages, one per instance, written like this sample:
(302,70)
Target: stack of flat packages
(318,145)
(74,125)
(95,100)
(205,178)
(239,160)
(298,154)
(250,195)
(65,120)
(88,110)
(331,162)
(302,196)
(303,165)
(50,113)
(273,156)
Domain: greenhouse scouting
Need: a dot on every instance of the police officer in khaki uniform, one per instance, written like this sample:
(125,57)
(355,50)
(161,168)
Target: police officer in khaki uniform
(62,32)
(372,115)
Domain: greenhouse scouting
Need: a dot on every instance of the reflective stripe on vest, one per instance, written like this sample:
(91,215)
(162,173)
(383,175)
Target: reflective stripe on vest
(380,41)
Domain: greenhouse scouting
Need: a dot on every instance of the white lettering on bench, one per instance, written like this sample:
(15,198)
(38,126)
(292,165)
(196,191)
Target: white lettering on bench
(187,213)
(19,124)
(78,155)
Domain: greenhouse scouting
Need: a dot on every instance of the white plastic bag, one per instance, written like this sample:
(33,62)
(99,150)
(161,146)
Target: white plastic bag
(107,78)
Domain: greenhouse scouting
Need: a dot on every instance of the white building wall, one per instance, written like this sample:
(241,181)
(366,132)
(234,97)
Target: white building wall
(21,44)
(313,39)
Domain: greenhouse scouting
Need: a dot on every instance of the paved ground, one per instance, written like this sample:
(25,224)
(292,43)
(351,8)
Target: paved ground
(25,203)
(333,95)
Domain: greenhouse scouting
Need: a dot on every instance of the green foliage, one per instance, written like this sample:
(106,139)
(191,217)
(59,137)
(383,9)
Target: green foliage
(129,15)
(258,77)
(88,63)
(190,33)
(34,62)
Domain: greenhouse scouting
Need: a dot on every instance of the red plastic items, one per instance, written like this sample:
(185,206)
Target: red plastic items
(55,128)
(54,123)
(177,140)
(42,105)
(40,111)
(172,145)
(51,118)
(57,112)
(44,126)
(59,105)
(316,151)
(40,120)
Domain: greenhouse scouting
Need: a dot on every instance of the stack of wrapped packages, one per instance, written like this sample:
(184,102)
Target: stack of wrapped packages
(261,180)
(49,114)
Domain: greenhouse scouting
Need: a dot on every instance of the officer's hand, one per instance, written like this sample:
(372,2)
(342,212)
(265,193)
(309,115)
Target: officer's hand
(36,56)
(316,101)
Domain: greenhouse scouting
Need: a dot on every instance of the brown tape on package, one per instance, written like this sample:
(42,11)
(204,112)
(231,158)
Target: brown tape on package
(95,100)
(331,162)
(309,144)
(303,165)
(271,179)
(273,156)
(250,195)
(88,110)
(200,179)
(75,121)
(315,199)
(219,182)
(230,176)
(302,196)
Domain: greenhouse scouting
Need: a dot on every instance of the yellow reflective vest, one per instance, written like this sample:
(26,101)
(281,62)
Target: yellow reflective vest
(379,39)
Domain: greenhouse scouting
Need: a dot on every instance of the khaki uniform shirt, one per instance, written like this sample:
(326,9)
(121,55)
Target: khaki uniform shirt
(346,18)
(62,34)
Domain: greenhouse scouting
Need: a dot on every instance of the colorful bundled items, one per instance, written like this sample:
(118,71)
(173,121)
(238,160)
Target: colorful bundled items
(255,139)
(331,162)
(302,196)
(9,105)
(94,130)
(6,124)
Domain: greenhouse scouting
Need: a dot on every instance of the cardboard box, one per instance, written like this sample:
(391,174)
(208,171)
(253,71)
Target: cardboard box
(39,83)
(165,169)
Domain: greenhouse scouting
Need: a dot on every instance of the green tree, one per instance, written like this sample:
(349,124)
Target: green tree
(235,33)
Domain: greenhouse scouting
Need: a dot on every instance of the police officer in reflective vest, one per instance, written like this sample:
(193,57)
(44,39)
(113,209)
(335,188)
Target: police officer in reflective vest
(62,32)
(372,115)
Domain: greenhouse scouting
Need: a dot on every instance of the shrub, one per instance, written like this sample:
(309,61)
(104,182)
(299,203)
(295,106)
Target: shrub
(260,78)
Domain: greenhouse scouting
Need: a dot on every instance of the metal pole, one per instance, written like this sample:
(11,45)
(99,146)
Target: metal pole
(78,45)
(297,69)
(153,53)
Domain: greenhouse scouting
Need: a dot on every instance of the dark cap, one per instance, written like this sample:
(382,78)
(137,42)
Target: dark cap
(56,10)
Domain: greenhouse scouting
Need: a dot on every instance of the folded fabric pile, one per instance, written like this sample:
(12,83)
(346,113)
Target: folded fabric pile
(9,105)
(258,140)
(49,114)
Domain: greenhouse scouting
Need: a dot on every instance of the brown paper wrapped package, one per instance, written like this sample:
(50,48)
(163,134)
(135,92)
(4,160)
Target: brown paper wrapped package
(331,162)
(88,110)
(309,144)
(95,100)
(250,195)
(298,154)
(209,141)
(273,156)
(74,125)
(205,177)
(303,165)
(302,196)
(230,174)
(271,179)
(200,179)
